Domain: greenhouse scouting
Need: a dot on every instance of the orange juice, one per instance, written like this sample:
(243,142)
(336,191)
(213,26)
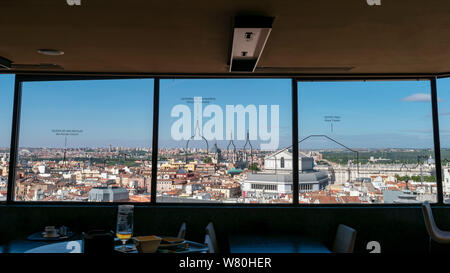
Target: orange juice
(124,236)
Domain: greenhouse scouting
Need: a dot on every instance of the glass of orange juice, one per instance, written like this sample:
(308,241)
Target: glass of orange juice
(124,228)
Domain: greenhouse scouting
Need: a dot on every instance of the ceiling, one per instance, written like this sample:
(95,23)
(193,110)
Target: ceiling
(179,36)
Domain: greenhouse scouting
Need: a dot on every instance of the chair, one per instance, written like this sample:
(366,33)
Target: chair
(210,239)
(182,231)
(344,242)
(434,232)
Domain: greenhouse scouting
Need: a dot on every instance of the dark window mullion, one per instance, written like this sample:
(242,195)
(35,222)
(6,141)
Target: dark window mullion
(14,138)
(295,142)
(437,145)
(155,140)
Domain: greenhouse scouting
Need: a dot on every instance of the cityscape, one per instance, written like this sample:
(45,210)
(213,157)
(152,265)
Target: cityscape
(369,158)
(118,174)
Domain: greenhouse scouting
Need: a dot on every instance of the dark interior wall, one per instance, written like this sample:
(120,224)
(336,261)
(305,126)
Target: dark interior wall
(398,229)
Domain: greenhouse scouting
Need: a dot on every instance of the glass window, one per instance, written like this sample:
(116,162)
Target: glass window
(366,142)
(443,92)
(87,140)
(6,109)
(221,140)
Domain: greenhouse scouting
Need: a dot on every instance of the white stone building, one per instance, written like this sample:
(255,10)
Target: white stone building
(276,180)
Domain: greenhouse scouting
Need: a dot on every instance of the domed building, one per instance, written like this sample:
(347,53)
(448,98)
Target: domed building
(276,180)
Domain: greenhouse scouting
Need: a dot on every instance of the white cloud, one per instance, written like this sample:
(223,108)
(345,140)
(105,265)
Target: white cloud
(419,97)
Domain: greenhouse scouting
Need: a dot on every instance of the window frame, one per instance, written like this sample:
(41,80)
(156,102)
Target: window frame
(19,80)
(295,79)
(294,143)
(12,121)
(434,120)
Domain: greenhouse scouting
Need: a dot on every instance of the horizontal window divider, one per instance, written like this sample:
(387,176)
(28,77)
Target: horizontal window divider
(204,205)
(111,75)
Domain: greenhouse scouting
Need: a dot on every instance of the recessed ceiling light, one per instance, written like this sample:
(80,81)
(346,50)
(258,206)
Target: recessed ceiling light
(50,52)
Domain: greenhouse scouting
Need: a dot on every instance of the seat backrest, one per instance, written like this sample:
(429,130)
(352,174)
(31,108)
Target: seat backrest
(182,231)
(344,242)
(429,220)
(211,239)
(210,244)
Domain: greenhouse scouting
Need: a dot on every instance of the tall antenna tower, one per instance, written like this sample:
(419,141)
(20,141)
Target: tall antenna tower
(65,133)
(331,120)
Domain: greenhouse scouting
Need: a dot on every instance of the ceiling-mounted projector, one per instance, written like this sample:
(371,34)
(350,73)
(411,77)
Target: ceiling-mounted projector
(249,38)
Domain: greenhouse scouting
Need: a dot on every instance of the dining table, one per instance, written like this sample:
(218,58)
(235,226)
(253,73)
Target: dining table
(273,243)
(76,246)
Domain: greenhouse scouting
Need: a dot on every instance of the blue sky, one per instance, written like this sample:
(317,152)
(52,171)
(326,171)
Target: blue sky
(116,112)
(6,106)
(226,92)
(375,114)
(443,86)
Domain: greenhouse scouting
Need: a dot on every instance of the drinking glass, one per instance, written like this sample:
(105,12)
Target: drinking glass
(124,229)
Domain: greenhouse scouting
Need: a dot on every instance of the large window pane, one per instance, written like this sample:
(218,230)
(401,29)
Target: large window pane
(6,107)
(370,142)
(219,141)
(443,91)
(85,141)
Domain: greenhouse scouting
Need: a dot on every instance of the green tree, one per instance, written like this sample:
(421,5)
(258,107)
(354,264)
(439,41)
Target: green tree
(253,167)
(208,160)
